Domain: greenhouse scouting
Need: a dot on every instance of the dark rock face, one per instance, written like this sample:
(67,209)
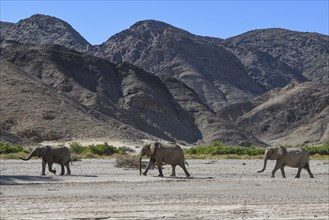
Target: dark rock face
(212,127)
(42,99)
(43,29)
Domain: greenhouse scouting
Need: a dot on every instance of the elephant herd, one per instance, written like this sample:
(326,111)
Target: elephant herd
(172,154)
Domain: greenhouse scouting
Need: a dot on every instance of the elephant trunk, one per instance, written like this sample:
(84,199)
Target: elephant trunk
(140,166)
(29,157)
(265,161)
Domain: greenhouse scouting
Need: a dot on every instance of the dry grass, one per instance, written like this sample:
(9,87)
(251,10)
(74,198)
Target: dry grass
(128,161)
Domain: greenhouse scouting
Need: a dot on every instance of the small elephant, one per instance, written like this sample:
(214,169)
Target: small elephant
(292,157)
(167,153)
(52,154)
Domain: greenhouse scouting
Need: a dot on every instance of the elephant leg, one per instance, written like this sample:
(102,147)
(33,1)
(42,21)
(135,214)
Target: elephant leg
(67,165)
(173,170)
(185,170)
(43,167)
(282,172)
(159,163)
(50,164)
(307,167)
(298,172)
(278,165)
(151,163)
(62,170)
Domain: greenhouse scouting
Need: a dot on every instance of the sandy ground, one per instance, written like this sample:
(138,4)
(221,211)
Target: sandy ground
(218,189)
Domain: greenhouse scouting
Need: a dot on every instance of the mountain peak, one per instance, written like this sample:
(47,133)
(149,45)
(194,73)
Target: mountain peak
(40,20)
(45,29)
(155,26)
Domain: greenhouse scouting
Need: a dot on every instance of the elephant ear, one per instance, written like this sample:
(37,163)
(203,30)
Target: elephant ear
(154,147)
(282,150)
(43,150)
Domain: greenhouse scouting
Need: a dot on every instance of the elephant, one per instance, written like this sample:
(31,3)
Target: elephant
(292,157)
(167,153)
(52,154)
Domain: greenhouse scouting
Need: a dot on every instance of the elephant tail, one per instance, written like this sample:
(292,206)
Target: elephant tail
(69,161)
(186,163)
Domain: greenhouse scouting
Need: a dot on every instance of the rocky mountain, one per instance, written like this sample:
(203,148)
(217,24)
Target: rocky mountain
(33,109)
(274,57)
(86,90)
(5,25)
(297,113)
(215,74)
(156,81)
(43,29)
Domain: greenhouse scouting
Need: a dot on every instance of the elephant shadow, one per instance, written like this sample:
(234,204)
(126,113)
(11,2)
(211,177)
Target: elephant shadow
(186,178)
(24,179)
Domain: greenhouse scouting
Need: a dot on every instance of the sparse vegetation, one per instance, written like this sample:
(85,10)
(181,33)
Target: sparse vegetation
(219,150)
(128,161)
(5,148)
(321,150)
(97,151)
(123,159)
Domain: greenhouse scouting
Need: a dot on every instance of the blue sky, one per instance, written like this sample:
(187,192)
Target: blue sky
(96,21)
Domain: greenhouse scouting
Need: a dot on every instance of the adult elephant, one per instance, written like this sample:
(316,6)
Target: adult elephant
(52,154)
(166,153)
(292,157)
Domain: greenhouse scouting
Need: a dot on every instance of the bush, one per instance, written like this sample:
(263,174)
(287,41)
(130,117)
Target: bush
(321,150)
(77,148)
(5,148)
(218,148)
(103,149)
(92,151)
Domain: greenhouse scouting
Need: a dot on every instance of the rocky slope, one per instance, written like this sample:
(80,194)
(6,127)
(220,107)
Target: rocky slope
(297,113)
(215,74)
(119,97)
(273,57)
(35,110)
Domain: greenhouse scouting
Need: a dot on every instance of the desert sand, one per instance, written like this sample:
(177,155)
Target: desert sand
(217,189)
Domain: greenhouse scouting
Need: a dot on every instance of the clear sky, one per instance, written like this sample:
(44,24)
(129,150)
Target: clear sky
(98,20)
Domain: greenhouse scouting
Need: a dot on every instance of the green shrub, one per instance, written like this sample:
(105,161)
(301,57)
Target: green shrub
(321,150)
(77,148)
(218,148)
(5,148)
(103,149)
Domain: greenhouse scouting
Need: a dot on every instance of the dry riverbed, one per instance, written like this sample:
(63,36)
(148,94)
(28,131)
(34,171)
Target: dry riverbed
(217,189)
